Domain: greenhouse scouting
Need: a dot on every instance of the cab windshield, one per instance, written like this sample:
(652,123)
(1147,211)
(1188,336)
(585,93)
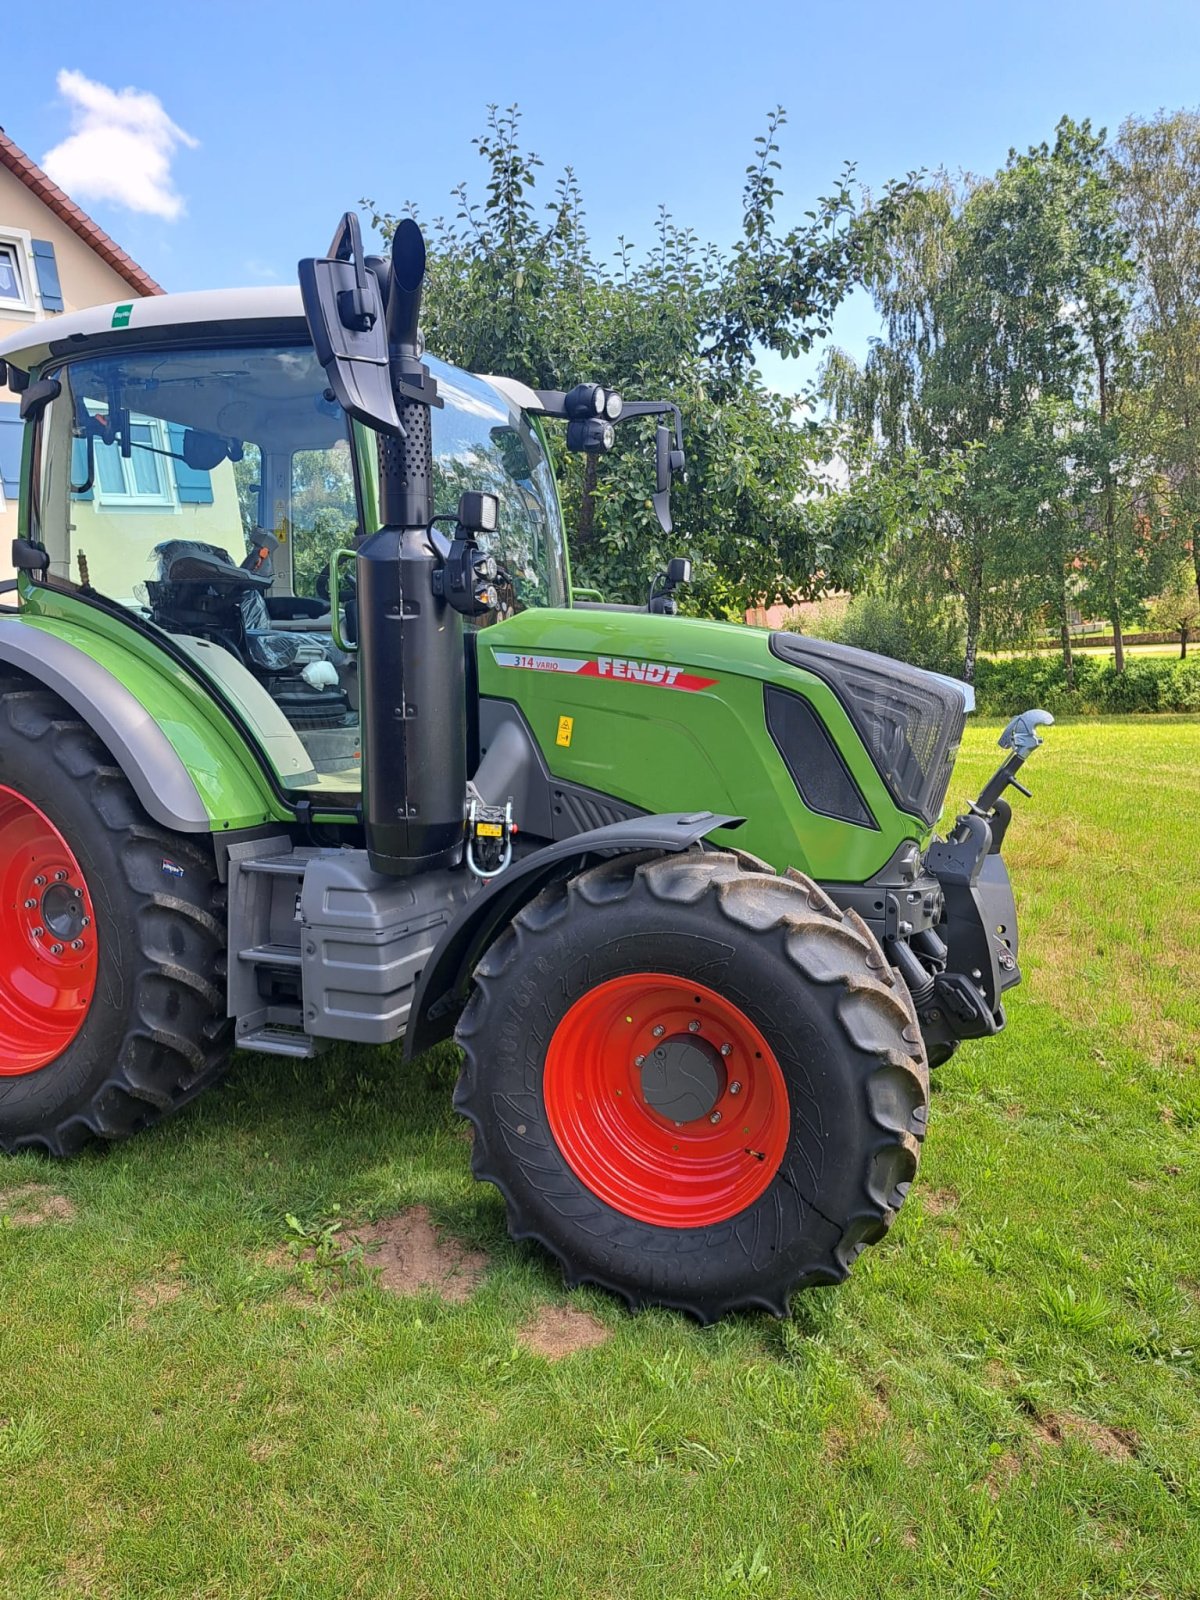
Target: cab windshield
(207,489)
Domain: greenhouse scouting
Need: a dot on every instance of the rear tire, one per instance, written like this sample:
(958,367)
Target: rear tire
(793,1002)
(134,966)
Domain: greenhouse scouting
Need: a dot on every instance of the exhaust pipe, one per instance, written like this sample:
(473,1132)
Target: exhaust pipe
(412,675)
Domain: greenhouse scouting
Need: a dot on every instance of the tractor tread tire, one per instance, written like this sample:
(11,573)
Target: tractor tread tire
(176,1039)
(826,948)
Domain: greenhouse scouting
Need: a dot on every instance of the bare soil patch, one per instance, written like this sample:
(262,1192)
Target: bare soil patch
(1117,1444)
(937,1202)
(32,1205)
(412,1256)
(558,1331)
(150,1297)
(1005,1468)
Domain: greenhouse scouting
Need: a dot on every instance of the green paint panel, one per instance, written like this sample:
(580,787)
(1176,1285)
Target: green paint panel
(121,315)
(227,778)
(668,715)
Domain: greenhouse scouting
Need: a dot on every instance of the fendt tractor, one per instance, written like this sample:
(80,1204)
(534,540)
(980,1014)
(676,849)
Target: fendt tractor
(306,737)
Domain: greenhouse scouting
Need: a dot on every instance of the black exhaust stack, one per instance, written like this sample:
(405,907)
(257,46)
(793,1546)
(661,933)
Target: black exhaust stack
(412,680)
(363,315)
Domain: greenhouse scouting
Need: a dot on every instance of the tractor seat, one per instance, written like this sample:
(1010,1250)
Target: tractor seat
(188,561)
(188,569)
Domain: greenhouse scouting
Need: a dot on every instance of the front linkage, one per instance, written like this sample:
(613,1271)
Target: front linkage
(972,960)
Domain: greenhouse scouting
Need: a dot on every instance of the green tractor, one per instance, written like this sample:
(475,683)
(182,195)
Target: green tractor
(306,737)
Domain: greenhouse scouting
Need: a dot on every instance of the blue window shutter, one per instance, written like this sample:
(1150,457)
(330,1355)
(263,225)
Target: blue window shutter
(79,468)
(46,267)
(11,432)
(195,488)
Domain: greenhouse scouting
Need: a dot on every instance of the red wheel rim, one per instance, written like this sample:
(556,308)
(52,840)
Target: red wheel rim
(48,952)
(632,1051)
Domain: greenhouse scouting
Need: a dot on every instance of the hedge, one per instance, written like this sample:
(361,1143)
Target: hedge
(1151,683)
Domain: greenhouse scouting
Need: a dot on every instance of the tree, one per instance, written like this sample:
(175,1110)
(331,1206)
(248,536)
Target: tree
(1177,609)
(517,289)
(1006,307)
(1158,175)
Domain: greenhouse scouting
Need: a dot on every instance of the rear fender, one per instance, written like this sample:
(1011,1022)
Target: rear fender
(137,744)
(443,989)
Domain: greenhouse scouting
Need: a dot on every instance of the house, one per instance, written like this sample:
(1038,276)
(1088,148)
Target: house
(53,258)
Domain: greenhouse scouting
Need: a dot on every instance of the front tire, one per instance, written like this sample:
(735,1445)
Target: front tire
(697,1084)
(112,942)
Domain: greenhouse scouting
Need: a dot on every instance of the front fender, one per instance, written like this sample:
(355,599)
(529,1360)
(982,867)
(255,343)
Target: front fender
(442,990)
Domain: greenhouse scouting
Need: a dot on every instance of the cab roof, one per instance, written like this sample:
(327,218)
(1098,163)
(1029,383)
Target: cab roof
(200,313)
(201,310)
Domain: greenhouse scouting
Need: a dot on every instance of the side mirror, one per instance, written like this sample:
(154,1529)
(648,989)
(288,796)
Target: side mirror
(661,498)
(343,304)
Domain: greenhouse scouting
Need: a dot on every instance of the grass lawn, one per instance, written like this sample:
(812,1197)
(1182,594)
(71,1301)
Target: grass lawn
(1004,1400)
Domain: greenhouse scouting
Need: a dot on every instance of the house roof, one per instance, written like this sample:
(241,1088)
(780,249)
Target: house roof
(65,209)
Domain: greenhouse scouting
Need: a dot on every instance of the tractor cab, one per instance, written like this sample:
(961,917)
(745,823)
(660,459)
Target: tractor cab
(201,474)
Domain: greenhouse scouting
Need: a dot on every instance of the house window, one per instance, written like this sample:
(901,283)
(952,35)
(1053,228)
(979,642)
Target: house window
(141,479)
(11,430)
(12,278)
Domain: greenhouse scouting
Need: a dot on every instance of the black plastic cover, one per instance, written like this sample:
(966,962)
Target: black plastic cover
(910,721)
(823,780)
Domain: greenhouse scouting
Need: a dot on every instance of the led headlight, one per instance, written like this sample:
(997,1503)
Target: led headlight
(910,722)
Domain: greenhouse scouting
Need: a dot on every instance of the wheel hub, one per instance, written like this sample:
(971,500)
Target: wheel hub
(683,1078)
(48,948)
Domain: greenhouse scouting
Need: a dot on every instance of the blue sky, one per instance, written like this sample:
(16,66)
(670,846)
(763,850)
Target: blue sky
(274,118)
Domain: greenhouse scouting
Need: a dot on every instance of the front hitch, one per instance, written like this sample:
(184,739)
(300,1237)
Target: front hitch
(979,928)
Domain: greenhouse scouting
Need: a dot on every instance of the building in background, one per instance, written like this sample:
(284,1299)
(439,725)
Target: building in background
(53,258)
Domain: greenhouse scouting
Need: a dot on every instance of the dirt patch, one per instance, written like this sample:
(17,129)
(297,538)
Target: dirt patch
(1004,1469)
(32,1205)
(411,1256)
(558,1331)
(151,1297)
(1116,1444)
(936,1202)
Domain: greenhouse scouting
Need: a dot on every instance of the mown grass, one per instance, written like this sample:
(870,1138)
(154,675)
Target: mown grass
(1002,1401)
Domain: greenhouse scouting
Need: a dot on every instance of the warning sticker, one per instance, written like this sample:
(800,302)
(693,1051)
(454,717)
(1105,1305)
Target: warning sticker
(657,673)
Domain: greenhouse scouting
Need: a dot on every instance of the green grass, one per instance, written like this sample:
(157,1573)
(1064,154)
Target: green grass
(1002,1401)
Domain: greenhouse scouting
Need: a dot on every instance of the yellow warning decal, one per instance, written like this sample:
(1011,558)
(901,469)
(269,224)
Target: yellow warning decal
(566,726)
(489,830)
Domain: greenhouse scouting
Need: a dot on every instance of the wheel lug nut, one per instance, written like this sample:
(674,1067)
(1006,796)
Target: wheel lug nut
(726,1049)
(39,881)
(693,1026)
(715,1118)
(56,949)
(60,877)
(638,1060)
(87,922)
(735,1087)
(38,932)
(76,944)
(658,1030)
(29,904)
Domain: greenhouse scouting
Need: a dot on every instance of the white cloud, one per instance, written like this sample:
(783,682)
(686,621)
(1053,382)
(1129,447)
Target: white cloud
(120,148)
